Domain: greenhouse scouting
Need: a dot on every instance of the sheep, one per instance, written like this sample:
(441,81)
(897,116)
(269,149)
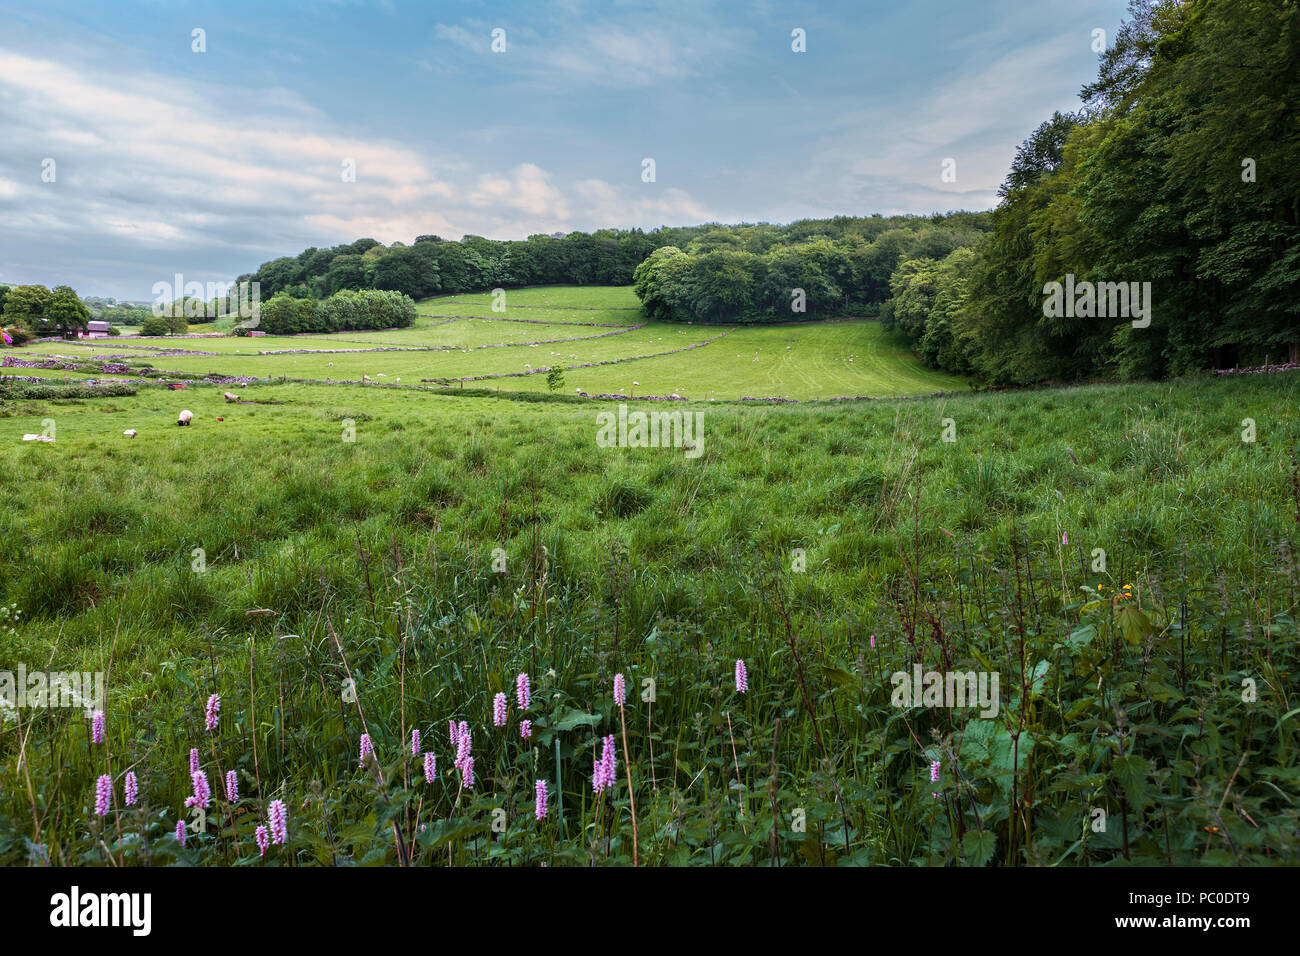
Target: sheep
(231,396)
(185,417)
(129,433)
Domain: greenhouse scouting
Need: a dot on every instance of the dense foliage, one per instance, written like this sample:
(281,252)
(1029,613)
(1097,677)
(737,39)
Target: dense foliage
(344,311)
(1183,171)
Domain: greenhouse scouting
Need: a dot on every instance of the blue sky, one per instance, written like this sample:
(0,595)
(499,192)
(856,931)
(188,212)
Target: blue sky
(207,164)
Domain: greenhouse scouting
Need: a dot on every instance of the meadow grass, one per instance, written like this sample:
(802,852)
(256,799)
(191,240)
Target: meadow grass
(826,544)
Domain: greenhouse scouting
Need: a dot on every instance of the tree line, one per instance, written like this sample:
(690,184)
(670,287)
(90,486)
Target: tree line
(1182,170)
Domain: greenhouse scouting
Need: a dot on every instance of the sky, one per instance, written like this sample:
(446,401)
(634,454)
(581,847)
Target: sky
(128,156)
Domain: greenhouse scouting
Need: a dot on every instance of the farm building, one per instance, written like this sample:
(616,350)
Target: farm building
(94,330)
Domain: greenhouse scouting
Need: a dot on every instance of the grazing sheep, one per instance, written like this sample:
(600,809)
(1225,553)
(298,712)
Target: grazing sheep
(231,397)
(185,417)
(129,433)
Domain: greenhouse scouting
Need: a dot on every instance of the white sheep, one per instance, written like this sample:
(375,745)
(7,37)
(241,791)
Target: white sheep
(231,396)
(129,433)
(185,417)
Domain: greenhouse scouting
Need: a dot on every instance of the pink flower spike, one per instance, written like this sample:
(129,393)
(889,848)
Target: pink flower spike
(1065,537)
(742,677)
(452,734)
(232,786)
(132,788)
(499,710)
(934,772)
(103,795)
(467,773)
(202,793)
(430,767)
(194,760)
(97,727)
(620,690)
(180,832)
(278,817)
(262,840)
(523,691)
(415,743)
(366,749)
(525,729)
(210,712)
(540,791)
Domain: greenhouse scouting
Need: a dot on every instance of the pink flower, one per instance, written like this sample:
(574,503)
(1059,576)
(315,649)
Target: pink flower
(603,771)
(523,691)
(232,786)
(934,772)
(415,743)
(202,794)
(262,840)
(430,767)
(499,710)
(742,677)
(452,732)
(1065,537)
(525,729)
(278,817)
(366,749)
(103,794)
(210,711)
(873,642)
(620,690)
(467,773)
(97,727)
(194,760)
(132,788)
(180,832)
(540,791)
(464,744)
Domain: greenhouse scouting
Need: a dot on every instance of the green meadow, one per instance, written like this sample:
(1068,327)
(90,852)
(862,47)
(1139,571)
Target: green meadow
(334,560)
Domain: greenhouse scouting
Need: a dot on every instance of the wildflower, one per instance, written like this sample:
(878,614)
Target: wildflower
(1065,538)
(540,791)
(97,727)
(603,770)
(232,786)
(415,743)
(103,794)
(132,788)
(873,642)
(934,772)
(194,760)
(210,711)
(262,840)
(366,749)
(742,677)
(451,732)
(180,832)
(202,794)
(499,710)
(525,729)
(467,773)
(523,691)
(278,817)
(464,744)
(430,767)
(620,690)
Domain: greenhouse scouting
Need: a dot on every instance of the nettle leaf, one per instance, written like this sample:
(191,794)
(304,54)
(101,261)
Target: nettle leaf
(573,718)
(1131,773)
(1133,624)
(1038,680)
(1081,637)
(979,847)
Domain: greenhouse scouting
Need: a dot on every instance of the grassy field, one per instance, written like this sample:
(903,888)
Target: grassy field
(815,361)
(466,536)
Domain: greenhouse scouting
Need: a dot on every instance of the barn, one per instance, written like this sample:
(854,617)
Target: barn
(94,330)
